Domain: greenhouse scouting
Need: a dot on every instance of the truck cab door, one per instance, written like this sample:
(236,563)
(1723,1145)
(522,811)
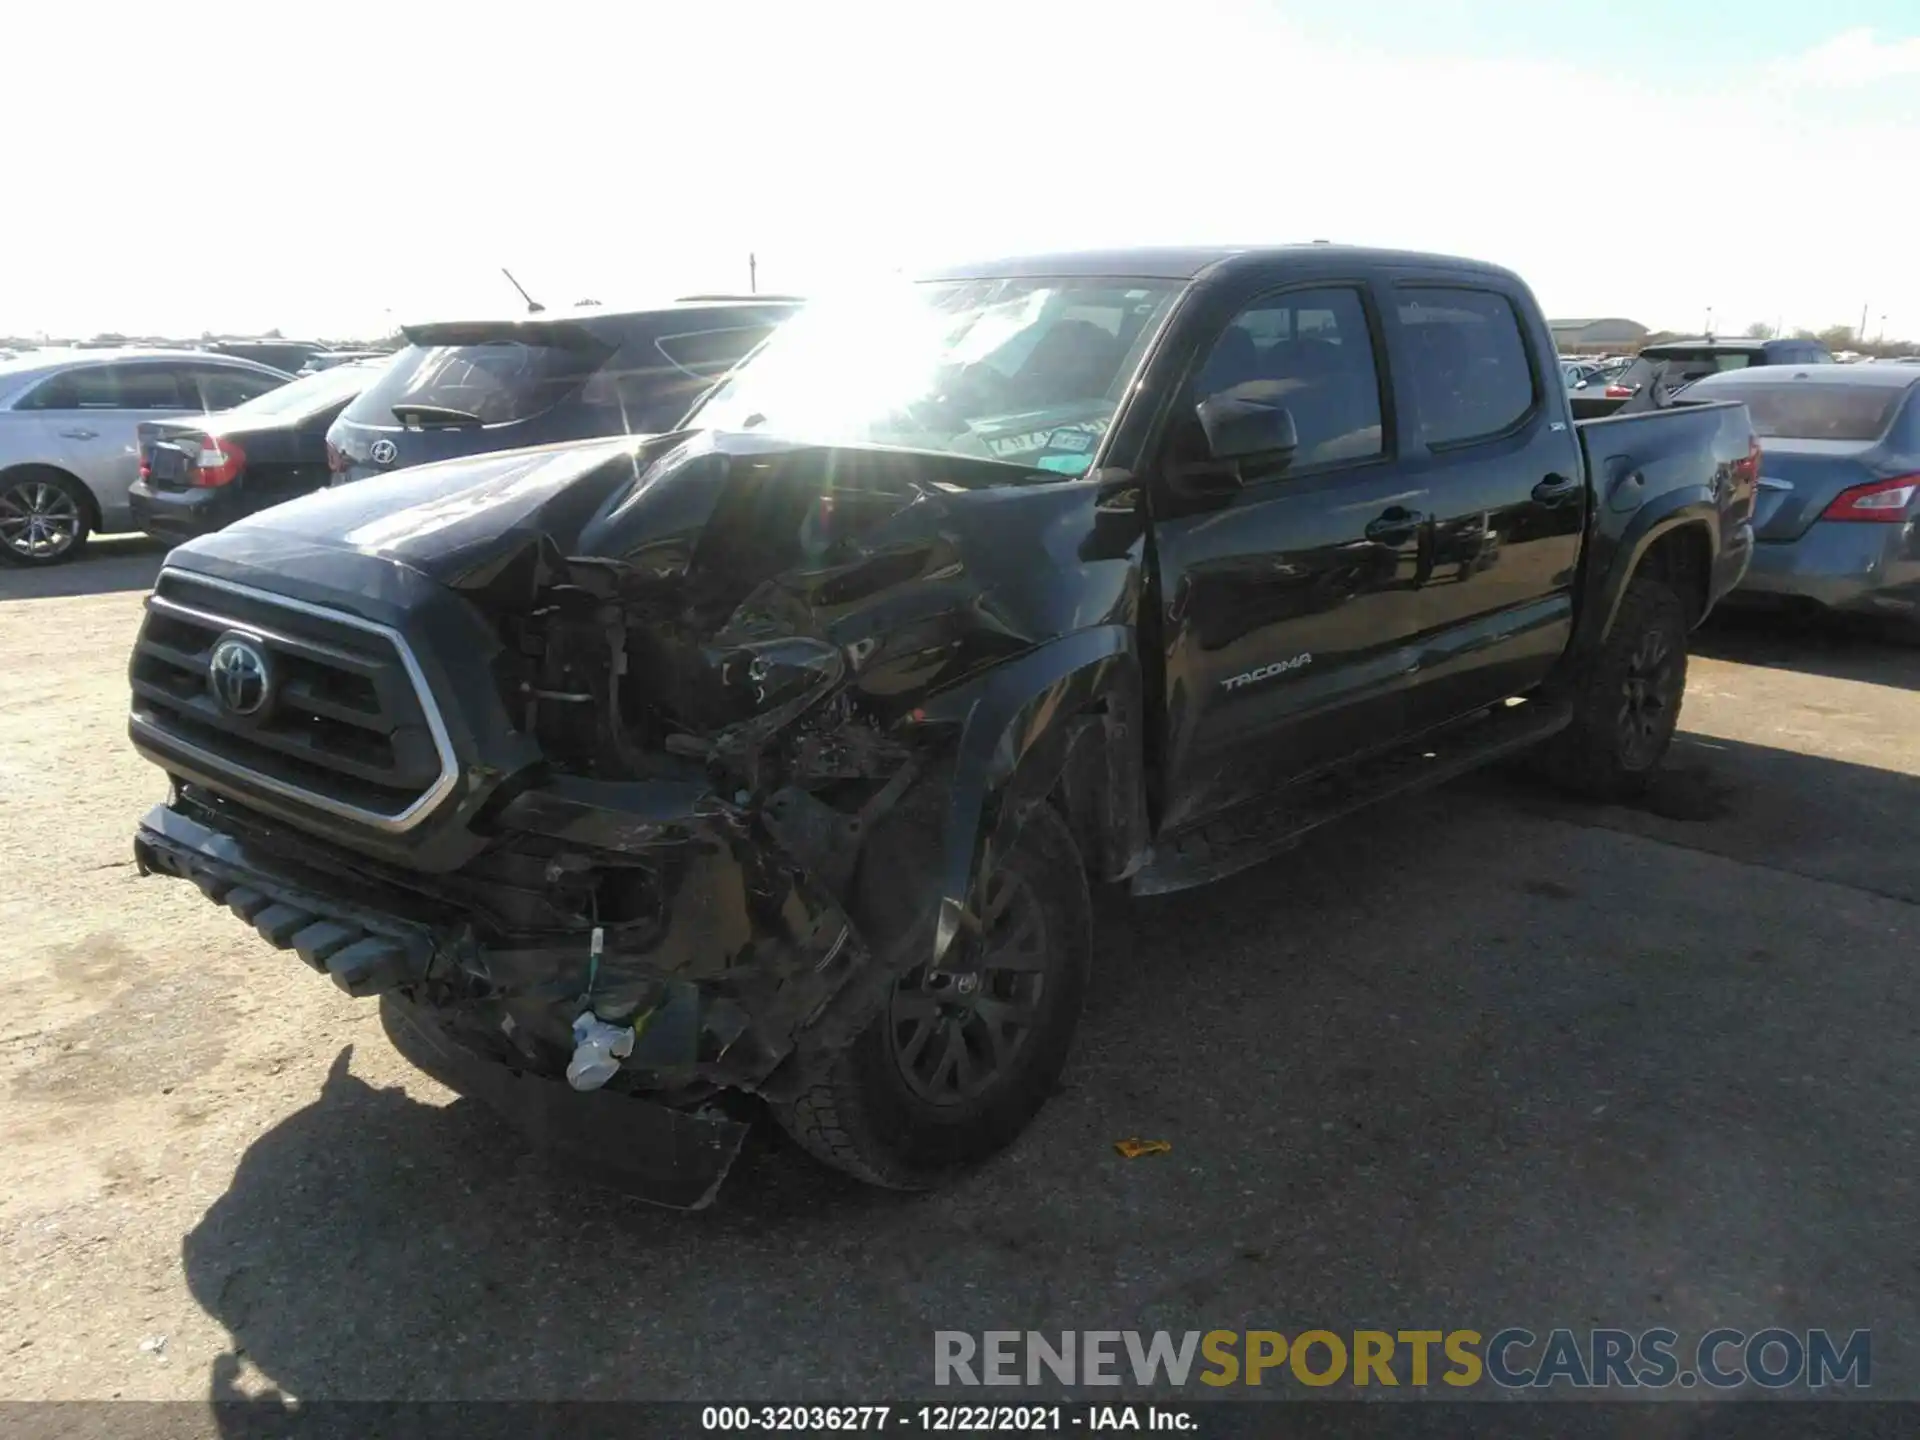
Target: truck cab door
(1490,438)
(1284,588)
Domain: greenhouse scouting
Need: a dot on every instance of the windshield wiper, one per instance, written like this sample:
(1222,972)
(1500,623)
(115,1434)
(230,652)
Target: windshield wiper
(413,414)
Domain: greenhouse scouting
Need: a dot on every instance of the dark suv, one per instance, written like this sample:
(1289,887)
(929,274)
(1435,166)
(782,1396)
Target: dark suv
(1681,362)
(472,386)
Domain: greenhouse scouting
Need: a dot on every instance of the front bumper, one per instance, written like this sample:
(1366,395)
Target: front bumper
(1840,565)
(745,977)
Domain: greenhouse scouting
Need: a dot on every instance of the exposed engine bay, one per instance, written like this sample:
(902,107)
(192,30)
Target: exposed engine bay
(734,659)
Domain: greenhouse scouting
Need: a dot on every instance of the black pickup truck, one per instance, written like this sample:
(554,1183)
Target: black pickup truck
(776,756)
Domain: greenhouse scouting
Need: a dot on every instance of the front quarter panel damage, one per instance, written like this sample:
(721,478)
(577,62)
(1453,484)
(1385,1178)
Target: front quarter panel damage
(967,620)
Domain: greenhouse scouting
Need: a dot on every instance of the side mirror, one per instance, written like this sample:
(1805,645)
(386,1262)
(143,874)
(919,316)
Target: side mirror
(1579,384)
(1242,427)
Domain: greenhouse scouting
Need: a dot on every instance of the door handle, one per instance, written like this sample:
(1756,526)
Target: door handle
(1555,488)
(79,434)
(1395,526)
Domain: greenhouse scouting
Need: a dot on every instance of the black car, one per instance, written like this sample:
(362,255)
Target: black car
(199,475)
(288,355)
(473,386)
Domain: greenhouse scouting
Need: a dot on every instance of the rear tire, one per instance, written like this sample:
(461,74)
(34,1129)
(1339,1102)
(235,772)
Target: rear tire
(941,1080)
(45,516)
(1628,706)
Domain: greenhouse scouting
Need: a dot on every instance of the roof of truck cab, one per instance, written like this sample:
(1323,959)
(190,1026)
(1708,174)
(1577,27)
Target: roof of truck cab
(1192,262)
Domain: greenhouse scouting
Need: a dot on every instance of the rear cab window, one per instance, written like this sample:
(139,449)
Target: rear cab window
(1465,358)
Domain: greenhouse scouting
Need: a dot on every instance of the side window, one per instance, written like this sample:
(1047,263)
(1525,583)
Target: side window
(1311,351)
(153,387)
(85,387)
(1466,362)
(222,388)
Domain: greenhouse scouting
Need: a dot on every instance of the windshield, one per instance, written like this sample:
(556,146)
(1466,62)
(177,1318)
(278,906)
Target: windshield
(311,393)
(1026,371)
(1788,410)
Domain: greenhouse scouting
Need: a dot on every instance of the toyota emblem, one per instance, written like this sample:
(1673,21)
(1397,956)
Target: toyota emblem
(382,452)
(239,676)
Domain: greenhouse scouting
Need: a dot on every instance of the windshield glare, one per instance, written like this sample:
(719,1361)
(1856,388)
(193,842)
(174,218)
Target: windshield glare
(1025,371)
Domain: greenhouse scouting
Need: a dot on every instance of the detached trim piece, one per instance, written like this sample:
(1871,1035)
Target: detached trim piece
(156,742)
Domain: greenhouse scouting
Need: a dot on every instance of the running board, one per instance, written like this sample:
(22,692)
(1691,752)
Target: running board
(1258,829)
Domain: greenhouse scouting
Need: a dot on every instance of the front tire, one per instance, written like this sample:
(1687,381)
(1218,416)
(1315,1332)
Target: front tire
(1628,706)
(948,1074)
(43,516)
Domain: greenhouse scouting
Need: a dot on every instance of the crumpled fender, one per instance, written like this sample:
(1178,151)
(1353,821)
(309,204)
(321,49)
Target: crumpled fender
(1019,725)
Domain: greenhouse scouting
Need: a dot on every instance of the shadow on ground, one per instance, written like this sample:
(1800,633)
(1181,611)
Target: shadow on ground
(1839,648)
(1456,1063)
(109,564)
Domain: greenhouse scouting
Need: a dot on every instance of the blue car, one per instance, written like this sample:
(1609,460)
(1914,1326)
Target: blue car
(1837,520)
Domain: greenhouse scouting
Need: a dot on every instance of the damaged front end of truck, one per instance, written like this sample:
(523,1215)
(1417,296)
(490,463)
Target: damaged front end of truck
(575,757)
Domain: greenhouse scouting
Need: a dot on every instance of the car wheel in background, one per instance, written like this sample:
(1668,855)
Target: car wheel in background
(43,516)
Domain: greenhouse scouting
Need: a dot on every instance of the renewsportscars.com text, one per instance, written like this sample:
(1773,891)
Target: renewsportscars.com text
(1512,1358)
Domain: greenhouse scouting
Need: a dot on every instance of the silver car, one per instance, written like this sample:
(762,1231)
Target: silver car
(69,446)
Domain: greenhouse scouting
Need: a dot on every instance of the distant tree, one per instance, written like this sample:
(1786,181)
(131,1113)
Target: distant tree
(1837,337)
(1759,330)
(274,334)
(1804,334)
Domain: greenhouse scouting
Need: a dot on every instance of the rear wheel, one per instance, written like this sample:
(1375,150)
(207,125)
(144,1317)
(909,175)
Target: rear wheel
(959,1060)
(1626,711)
(43,516)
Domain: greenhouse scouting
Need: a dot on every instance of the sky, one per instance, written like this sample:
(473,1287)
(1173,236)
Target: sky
(334,167)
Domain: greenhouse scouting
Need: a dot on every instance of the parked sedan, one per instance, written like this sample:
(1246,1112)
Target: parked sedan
(1837,521)
(201,475)
(68,435)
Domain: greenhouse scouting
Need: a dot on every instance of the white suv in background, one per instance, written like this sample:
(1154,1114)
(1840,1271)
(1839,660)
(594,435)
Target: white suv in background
(69,446)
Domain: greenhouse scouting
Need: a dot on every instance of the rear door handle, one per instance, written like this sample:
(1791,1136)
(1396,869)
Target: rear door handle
(79,434)
(1395,526)
(1555,488)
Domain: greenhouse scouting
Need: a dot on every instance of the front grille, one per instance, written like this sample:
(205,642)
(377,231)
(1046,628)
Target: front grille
(348,726)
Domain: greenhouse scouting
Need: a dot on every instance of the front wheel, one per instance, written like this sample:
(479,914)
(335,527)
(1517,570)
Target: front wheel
(1628,705)
(955,1065)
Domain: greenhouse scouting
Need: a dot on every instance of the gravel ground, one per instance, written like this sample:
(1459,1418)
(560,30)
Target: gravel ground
(1482,1058)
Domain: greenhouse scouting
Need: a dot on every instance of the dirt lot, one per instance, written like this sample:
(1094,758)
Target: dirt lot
(1481,1059)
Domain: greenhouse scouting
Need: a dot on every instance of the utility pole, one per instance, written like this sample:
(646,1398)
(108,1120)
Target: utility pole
(1861,334)
(753,274)
(1709,330)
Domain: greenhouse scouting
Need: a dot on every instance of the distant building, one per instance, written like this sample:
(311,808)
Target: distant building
(1572,336)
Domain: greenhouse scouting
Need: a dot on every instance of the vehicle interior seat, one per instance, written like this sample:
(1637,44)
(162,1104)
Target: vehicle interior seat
(1075,360)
